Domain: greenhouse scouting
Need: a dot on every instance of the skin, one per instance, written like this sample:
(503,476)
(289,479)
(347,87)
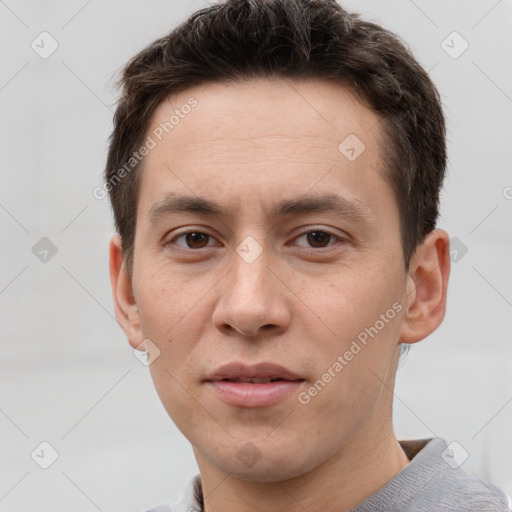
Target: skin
(300,304)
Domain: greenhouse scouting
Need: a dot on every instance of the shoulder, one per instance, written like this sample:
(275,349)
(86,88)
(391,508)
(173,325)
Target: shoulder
(434,481)
(473,492)
(449,488)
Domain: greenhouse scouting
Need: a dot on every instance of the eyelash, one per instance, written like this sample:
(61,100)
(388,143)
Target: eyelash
(307,250)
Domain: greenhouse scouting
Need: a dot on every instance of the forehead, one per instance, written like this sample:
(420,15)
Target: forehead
(263,108)
(265,138)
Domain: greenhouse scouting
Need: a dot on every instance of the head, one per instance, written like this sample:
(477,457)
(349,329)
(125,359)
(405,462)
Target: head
(303,152)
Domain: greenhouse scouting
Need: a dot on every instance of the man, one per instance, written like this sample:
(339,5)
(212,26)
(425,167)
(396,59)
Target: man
(274,172)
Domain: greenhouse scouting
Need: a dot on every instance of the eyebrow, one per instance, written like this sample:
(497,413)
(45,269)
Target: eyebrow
(174,203)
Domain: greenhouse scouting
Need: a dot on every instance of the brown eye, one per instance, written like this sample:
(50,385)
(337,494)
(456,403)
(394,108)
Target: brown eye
(196,240)
(318,241)
(318,238)
(191,240)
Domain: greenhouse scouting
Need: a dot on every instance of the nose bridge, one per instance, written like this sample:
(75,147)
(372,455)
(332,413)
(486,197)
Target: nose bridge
(250,297)
(249,276)
(250,263)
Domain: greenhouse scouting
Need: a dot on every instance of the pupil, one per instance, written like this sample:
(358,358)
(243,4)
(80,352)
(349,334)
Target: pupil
(194,238)
(315,238)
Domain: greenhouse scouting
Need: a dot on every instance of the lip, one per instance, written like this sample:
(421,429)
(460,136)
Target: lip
(245,394)
(237,371)
(227,383)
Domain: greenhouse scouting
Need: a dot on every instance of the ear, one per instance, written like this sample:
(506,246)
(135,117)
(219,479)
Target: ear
(125,305)
(427,285)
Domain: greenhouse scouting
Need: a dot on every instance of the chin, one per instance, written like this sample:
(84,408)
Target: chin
(265,465)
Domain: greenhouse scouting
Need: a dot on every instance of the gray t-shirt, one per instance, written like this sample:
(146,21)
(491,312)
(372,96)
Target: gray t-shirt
(431,482)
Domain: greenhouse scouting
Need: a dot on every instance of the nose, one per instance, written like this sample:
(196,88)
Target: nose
(253,301)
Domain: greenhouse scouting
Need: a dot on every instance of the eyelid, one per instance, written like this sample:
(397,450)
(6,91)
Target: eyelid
(304,231)
(202,231)
(311,229)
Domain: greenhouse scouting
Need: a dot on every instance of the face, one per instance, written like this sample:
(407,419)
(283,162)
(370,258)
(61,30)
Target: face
(267,233)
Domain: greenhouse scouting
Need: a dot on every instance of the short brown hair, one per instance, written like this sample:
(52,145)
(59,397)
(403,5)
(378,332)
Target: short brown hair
(244,39)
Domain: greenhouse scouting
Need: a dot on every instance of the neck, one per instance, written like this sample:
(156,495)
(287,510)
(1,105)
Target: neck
(355,472)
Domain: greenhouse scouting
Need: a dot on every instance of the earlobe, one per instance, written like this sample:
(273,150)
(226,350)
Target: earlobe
(427,285)
(125,305)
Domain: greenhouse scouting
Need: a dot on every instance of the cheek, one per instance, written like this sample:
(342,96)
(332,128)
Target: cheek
(359,316)
(165,299)
(172,316)
(170,386)
(346,302)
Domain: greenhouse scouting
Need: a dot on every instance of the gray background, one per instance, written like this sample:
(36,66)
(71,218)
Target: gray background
(67,374)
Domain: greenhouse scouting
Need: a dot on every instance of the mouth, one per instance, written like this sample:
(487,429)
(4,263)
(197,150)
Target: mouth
(256,374)
(261,380)
(258,385)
